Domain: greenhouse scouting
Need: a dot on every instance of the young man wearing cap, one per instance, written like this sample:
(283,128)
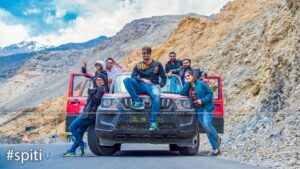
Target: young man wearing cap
(145,79)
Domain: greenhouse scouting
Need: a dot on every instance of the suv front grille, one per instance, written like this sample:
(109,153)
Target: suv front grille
(165,103)
(144,126)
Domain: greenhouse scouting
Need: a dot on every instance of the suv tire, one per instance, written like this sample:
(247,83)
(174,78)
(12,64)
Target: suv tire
(187,151)
(96,148)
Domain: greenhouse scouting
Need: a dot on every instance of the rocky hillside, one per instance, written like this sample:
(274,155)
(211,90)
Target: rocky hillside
(254,45)
(45,75)
(196,34)
(147,31)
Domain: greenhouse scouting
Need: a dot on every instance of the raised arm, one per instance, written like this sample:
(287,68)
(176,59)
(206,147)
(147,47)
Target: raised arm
(83,70)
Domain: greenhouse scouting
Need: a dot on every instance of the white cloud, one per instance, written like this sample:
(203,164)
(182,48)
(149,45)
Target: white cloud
(32,11)
(96,18)
(11,33)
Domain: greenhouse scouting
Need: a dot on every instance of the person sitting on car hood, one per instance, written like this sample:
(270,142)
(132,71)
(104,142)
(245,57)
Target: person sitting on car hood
(87,116)
(145,79)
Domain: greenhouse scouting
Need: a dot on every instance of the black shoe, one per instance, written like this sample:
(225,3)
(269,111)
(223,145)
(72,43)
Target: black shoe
(215,153)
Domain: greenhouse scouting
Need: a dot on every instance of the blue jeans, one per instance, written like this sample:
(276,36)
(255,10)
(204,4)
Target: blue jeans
(134,88)
(205,119)
(77,128)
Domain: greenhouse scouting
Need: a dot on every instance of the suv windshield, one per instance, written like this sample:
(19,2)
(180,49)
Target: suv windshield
(173,84)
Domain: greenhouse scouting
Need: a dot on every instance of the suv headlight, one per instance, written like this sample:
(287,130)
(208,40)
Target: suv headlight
(187,104)
(183,104)
(109,103)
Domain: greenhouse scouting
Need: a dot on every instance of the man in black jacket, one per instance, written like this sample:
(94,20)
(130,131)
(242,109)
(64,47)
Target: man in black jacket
(173,63)
(187,66)
(145,79)
(87,116)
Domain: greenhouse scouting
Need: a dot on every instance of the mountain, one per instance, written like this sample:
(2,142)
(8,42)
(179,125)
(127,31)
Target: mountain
(10,64)
(45,75)
(13,56)
(32,46)
(22,47)
(134,35)
(80,46)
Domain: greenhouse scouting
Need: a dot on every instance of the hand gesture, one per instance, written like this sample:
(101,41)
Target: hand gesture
(84,63)
(147,81)
(198,102)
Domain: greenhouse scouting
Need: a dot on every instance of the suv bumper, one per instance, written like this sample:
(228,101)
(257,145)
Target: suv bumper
(218,123)
(113,128)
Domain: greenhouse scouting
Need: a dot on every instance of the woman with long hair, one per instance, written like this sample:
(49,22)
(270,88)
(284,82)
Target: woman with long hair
(202,97)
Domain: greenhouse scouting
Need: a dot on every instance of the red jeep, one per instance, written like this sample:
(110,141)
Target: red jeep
(116,123)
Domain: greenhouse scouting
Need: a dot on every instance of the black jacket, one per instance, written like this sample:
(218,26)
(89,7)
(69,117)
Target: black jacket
(151,71)
(177,64)
(93,101)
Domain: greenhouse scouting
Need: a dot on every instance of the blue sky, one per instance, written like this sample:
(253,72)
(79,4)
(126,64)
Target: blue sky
(37,15)
(54,22)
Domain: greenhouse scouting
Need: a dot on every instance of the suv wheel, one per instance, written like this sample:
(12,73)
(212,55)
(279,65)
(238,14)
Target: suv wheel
(95,146)
(186,151)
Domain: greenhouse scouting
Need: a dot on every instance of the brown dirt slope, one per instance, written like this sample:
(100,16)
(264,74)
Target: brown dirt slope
(47,119)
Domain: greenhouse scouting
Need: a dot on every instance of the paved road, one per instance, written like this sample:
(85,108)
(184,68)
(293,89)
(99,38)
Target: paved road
(132,156)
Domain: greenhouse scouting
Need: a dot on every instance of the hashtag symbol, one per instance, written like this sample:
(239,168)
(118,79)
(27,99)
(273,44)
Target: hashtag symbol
(10,154)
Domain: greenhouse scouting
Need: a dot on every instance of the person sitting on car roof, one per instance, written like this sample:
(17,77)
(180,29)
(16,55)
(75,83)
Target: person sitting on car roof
(87,116)
(99,65)
(145,79)
(173,63)
(186,66)
(113,68)
(203,103)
